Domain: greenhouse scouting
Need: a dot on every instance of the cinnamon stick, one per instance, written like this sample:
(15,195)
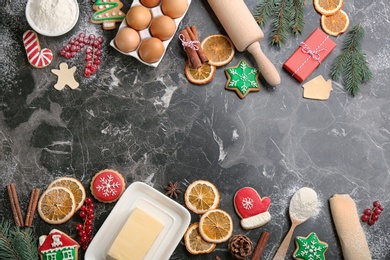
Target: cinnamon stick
(260,245)
(32,206)
(195,31)
(13,196)
(191,53)
(202,56)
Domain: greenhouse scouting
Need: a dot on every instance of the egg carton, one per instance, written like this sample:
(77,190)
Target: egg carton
(145,33)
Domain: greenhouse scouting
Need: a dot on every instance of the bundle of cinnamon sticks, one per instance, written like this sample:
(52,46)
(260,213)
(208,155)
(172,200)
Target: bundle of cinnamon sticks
(17,212)
(190,41)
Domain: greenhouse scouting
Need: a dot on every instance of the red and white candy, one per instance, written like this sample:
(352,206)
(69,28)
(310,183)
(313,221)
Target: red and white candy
(37,57)
(251,208)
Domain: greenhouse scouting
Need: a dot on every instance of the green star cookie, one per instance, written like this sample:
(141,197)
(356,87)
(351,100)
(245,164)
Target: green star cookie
(242,79)
(310,248)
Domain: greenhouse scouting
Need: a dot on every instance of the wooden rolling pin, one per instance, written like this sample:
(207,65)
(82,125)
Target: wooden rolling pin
(245,33)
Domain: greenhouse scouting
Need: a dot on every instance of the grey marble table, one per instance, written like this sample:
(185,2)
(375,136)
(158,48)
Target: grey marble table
(153,126)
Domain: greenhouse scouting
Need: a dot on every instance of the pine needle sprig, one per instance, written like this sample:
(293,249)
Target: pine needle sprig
(263,11)
(298,17)
(281,23)
(17,243)
(351,64)
(286,16)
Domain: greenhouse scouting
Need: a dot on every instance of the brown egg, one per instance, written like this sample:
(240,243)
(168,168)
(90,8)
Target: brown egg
(151,50)
(150,3)
(127,39)
(138,17)
(174,8)
(163,27)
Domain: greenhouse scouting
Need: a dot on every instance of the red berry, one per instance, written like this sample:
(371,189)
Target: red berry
(68,55)
(88,200)
(89,211)
(85,247)
(83,208)
(86,41)
(364,218)
(374,217)
(79,226)
(91,37)
(62,52)
(98,53)
(381,207)
(88,222)
(91,206)
(371,222)
(73,54)
(82,35)
(82,233)
(82,214)
(91,216)
(367,212)
(88,229)
(97,61)
(376,203)
(377,211)
(100,39)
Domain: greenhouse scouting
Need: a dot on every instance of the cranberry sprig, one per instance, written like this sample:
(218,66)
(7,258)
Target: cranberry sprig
(371,215)
(93,51)
(84,229)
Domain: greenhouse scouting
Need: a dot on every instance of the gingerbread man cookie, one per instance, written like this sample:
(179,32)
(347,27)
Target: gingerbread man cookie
(39,58)
(65,77)
(251,208)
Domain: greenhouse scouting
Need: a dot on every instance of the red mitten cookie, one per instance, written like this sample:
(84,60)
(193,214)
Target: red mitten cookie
(37,57)
(251,208)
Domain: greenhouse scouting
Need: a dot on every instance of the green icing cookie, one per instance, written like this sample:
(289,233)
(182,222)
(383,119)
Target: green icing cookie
(310,248)
(242,79)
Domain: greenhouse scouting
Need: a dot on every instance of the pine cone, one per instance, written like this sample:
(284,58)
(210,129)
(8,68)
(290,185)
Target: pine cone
(240,246)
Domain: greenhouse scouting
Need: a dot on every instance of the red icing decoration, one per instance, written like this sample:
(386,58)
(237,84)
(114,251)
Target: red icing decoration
(37,57)
(309,55)
(248,202)
(107,185)
(64,239)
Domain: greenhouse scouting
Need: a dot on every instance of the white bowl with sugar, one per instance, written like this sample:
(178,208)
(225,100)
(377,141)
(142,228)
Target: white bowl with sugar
(52,17)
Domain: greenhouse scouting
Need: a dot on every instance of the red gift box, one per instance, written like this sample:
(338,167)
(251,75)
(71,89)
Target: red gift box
(309,55)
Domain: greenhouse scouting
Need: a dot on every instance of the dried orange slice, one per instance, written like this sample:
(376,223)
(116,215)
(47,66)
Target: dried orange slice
(201,196)
(328,7)
(218,48)
(335,24)
(216,226)
(194,242)
(200,76)
(74,185)
(56,205)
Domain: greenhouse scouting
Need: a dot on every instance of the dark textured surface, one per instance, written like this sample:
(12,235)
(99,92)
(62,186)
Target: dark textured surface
(151,125)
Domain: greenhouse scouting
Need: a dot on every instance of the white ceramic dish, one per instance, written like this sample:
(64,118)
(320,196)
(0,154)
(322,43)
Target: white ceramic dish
(144,34)
(41,31)
(174,216)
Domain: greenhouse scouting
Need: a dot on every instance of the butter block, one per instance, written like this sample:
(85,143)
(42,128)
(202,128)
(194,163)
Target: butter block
(136,237)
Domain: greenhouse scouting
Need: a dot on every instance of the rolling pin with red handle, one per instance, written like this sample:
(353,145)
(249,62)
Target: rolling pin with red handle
(245,33)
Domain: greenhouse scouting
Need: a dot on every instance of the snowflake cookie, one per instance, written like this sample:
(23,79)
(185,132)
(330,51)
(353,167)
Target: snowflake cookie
(242,79)
(310,248)
(107,186)
(252,209)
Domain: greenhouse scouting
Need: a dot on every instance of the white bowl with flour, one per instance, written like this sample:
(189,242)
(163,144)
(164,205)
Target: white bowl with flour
(52,17)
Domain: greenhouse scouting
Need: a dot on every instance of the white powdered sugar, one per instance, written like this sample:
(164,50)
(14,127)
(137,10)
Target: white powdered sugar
(304,204)
(53,16)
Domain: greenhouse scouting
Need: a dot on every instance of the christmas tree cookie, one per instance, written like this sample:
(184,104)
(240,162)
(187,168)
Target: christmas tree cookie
(242,79)
(252,209)
(107,13)
(58,245)
(310,248)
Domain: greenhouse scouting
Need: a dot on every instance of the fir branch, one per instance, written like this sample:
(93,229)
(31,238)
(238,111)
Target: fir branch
(351,64)
(263,11)
(286,16)
(25,244)
(298,19)
(281,22)
(6,249)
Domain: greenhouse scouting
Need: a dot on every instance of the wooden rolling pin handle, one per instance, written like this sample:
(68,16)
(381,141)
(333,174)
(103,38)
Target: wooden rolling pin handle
(266,68)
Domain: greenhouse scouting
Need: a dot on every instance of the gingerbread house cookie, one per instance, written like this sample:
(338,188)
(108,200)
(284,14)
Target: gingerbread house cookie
(57,245)
(107,186)
(251,208)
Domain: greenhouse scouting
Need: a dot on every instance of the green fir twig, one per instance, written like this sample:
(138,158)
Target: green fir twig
(351,64)
(286,15)
(17,243)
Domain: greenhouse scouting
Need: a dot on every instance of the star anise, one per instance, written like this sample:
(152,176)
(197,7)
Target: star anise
(172,189)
